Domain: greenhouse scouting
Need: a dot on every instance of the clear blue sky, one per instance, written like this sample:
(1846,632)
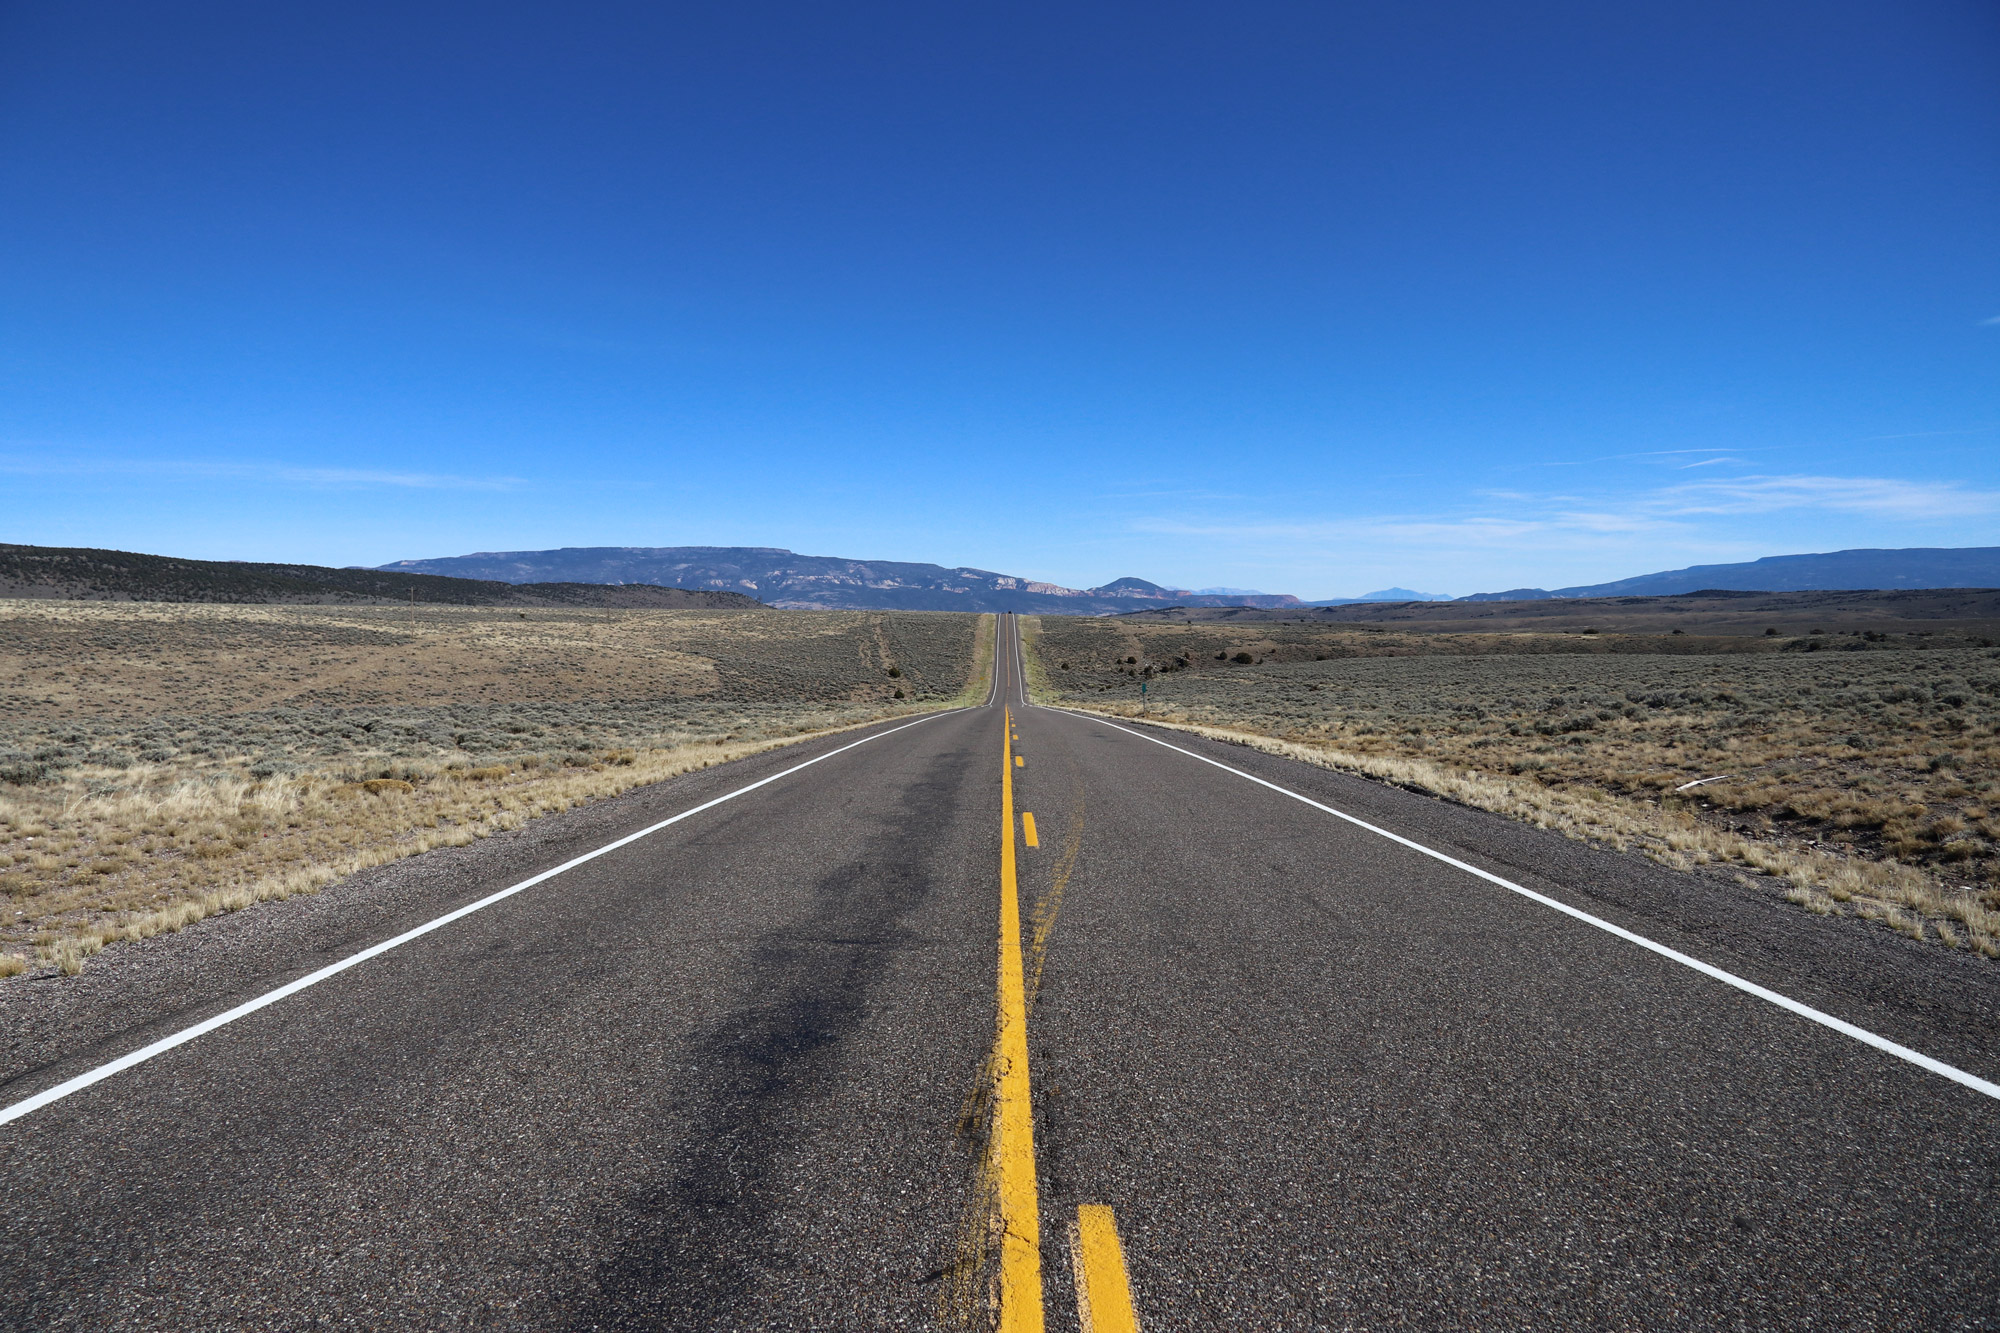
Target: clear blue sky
(1310,297)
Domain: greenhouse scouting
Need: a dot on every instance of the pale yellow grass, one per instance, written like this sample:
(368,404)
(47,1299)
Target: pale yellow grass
(980,681)
(254,842)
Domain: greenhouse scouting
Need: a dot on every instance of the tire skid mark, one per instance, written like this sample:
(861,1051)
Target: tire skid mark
(1042,920)
(690,1249)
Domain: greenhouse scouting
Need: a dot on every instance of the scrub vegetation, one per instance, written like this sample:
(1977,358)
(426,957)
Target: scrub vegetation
(1858,774)
(160,763)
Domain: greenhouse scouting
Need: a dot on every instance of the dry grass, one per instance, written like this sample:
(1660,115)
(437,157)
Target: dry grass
(1859,779)
(980,679)
(318,751)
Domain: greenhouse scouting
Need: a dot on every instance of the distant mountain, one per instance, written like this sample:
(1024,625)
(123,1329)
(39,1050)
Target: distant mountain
(1126,588)
(1386,595)
(1911,567)
(787,579)
(84,574)
(1513,595)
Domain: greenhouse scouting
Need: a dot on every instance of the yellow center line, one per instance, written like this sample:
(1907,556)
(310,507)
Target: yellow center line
(1028,828)
(1020,761)
(1103,1288)
(1013,1141)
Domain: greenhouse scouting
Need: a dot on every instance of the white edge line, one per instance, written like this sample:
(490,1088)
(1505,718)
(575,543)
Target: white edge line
(61,1090)
(1017,667)
(993,668)
(1805,1011)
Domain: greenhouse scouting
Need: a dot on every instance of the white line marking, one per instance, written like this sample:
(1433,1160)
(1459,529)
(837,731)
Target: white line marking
(993,686)
(1016,662)
(1020,664)
(1000,624)
(1019,669)
(1805,1011)
(165,1044)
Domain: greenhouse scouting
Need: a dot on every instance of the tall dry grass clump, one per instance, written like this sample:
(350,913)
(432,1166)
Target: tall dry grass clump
(145,862)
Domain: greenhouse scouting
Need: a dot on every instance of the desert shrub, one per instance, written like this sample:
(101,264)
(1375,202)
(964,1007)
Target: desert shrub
(1860,749)
(20,770)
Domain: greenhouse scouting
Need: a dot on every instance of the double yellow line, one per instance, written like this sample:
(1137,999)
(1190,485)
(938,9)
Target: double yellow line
(1104,1297)
(1013,1144)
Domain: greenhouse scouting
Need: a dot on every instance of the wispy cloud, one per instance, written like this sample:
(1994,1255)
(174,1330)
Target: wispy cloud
(43,465)
(1989,322)
(1469,532)
(1882,497)
(1512,537)
(1934,434)
(1172,494)
(1664,456)
(1515,521)
(325,476)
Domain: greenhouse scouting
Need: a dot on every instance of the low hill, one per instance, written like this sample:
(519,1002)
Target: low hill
(787,579)
(83,574)
(1910,567)
(1385,595)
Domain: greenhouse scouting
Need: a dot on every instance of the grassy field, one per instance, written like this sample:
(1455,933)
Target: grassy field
(1860,775)
(1970,614)
(159,763)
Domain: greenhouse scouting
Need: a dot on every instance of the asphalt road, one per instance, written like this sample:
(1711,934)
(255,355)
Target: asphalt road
(736,1074)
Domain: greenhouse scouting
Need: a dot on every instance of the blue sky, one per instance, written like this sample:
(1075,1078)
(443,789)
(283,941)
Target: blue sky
(1309,297)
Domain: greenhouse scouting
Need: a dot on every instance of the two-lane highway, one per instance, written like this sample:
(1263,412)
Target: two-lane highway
(1009,1013)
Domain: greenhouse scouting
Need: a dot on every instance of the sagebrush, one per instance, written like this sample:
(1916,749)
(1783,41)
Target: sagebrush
(159,763)
(1864,778)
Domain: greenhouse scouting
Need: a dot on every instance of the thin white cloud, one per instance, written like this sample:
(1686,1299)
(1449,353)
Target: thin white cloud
(327,476)
(205,469)
(1472,532)
(1675,518)
(1652,453)
(1882,497)
(1172,494)
(1988,322)
(1933,434)
(1515,537)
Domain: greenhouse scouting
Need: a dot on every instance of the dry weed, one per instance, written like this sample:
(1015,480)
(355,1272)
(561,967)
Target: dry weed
(1819,880)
